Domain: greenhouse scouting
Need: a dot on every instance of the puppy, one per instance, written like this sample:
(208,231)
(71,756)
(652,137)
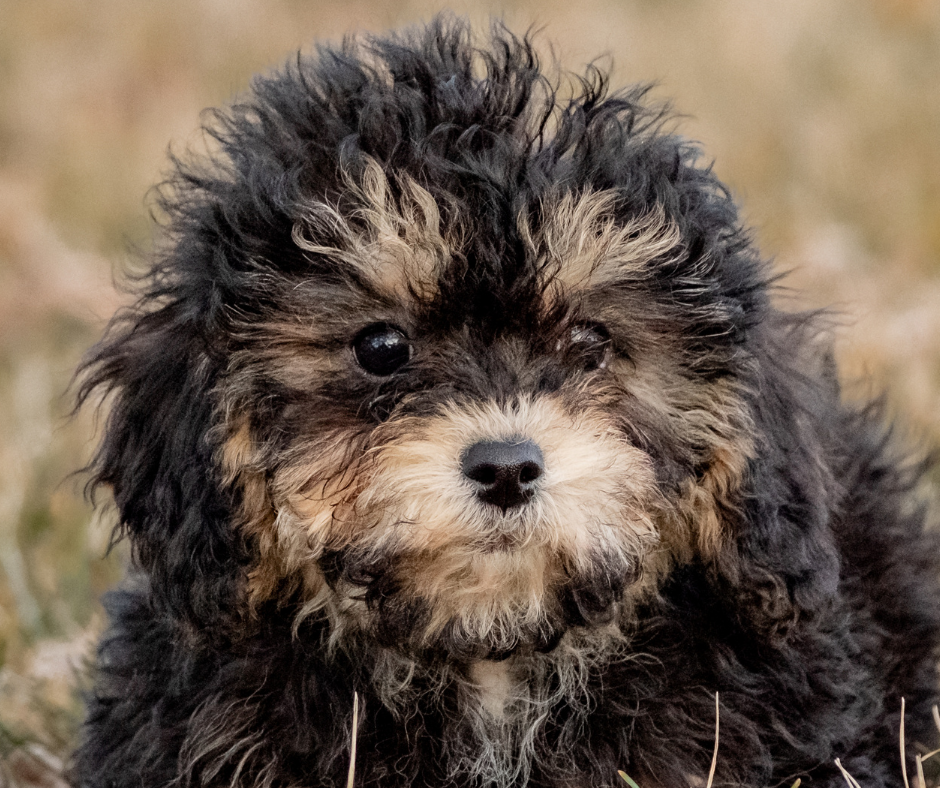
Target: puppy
(471,400)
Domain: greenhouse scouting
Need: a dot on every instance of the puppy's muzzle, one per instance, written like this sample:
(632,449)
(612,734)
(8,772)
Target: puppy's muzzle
(504,473)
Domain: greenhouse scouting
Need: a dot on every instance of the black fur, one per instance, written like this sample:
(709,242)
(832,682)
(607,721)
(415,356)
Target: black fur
(818,614)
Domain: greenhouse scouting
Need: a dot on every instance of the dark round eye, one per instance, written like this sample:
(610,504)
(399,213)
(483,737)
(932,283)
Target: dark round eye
(381,348)
(592,343)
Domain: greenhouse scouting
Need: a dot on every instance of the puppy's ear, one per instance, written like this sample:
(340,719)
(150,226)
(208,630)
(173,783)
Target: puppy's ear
(156,371)
(782,565)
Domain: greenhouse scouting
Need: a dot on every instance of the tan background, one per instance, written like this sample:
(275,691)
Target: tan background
(822,115)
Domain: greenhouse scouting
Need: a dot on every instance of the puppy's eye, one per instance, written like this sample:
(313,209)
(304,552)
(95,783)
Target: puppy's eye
(592,343)
(381,348)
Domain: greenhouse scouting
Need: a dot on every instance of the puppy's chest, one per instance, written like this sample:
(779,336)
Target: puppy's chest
(493,683)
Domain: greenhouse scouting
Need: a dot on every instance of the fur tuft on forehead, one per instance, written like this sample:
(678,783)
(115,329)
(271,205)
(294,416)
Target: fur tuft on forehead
(457,384)
(394,246)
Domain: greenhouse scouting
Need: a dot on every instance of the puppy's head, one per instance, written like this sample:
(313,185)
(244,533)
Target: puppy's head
(477,414)
(432,351)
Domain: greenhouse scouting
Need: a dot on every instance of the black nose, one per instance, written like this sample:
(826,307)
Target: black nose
(503,472)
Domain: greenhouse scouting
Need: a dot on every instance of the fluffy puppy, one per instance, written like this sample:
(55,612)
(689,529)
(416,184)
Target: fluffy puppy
(470,399)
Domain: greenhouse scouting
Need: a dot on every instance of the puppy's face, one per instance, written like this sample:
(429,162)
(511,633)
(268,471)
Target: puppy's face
(468,434)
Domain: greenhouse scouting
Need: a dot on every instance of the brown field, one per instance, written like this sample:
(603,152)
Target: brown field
(822,115)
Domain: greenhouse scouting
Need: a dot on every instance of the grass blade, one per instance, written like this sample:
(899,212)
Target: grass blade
(903,749)
(352,744)
(627,779)
(711,771)
(853,783)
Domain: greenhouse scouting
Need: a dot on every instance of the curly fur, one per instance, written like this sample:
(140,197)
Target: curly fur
(712,517)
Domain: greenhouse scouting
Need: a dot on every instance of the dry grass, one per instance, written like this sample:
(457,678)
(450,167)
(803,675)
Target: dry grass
(823,115)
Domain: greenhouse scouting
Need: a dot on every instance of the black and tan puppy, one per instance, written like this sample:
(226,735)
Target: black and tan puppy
(471,400)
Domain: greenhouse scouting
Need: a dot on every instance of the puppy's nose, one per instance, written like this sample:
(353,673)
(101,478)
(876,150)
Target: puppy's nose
(503,472)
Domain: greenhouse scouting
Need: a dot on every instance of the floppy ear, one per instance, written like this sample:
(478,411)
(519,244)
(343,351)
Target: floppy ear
(782,565)
(157,461)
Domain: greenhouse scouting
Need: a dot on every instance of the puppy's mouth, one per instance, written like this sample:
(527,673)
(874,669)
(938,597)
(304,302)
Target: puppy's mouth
(501,542)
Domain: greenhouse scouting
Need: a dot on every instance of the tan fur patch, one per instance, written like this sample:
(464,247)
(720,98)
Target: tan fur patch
(712,498)
(710,416)
(284,347)
(706,503)
(581,244)
(237,453)
(239,465)
(282,551)
(493,681)
(396,243)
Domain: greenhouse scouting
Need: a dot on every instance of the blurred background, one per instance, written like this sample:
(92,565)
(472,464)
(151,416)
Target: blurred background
(822,115)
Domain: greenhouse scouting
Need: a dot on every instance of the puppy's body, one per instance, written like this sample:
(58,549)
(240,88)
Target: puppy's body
(473,402)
